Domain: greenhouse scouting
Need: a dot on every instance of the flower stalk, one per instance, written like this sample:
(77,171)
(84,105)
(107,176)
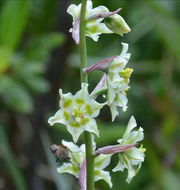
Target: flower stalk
(88,136)
(78,111)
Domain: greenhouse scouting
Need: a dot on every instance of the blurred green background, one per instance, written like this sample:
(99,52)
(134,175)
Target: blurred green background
(38,56)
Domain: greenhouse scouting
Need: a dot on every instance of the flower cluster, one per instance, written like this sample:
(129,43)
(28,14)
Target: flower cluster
(133,157)
(130,157)
(77,155)
(117,80)
(113,23)
(78,112)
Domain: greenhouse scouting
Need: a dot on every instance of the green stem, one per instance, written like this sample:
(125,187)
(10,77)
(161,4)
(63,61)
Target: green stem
(88,136)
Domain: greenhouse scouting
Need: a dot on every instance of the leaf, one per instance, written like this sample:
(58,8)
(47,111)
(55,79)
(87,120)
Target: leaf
(18,98)
(12,21)
(9,159)
(170,180)
(5,83)
(36,83)
(167,26)
(40,46)
(5,55)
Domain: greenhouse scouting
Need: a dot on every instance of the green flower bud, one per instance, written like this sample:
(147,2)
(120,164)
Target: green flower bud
(117,24)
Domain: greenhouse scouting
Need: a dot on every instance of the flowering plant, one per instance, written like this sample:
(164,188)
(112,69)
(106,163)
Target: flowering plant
(77,112)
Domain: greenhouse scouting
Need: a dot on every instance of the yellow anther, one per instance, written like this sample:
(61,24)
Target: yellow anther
(125,90)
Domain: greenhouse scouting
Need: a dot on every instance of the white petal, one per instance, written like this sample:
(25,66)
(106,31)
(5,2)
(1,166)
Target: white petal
(102,161)
(74,11)
(97,28)
(114,111)
(66,101)
(100,174)
(131,125)
(135,136)
(71,146)
(91,126)
(121,165)
(122,101)
(135,155)
(76,152)
(111,93)
(57,118)
(94,108)
(131,173)
(120,62)
(75,132)
(69,168)
(83,92)
(89,5)
(98,10)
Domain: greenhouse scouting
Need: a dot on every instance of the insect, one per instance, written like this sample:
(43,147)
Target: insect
(60,152)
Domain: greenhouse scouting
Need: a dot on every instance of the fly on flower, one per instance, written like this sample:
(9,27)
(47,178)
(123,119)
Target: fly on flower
(60,152)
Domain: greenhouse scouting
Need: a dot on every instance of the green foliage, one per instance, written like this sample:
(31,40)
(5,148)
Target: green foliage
(9,159)
(26,41)
(13,19)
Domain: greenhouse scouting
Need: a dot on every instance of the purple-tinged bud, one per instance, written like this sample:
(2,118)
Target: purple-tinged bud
(75,30)
(103,15)
(99,85)
(113,149)
(82,175)
(101,65)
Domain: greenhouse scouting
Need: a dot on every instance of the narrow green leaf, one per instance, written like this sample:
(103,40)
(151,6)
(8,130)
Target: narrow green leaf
(13,19)
(5,55)
(167,26)
(8,157)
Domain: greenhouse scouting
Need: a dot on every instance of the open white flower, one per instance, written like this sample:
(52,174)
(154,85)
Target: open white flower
(77,112)
(133,157)
(117,82)
(93,28)
(77,155)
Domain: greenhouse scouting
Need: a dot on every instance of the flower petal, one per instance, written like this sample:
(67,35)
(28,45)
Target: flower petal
(74,11)
(66,101)
(131,125)
(102,161)
(69,168)
(100,174)
(57,118)
(91,126)
(83,93)
(71,146)
(76,152)
(75,131)
(92,14)
(135,136)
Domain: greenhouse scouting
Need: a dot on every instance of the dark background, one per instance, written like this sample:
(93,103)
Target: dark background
(38,56)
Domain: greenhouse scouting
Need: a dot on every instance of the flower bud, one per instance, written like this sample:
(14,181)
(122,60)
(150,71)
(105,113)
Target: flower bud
(117,24)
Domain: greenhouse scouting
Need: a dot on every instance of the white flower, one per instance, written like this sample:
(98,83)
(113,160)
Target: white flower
(133,157)
(77,155)
(117,82)
(93,28)
(77,112)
